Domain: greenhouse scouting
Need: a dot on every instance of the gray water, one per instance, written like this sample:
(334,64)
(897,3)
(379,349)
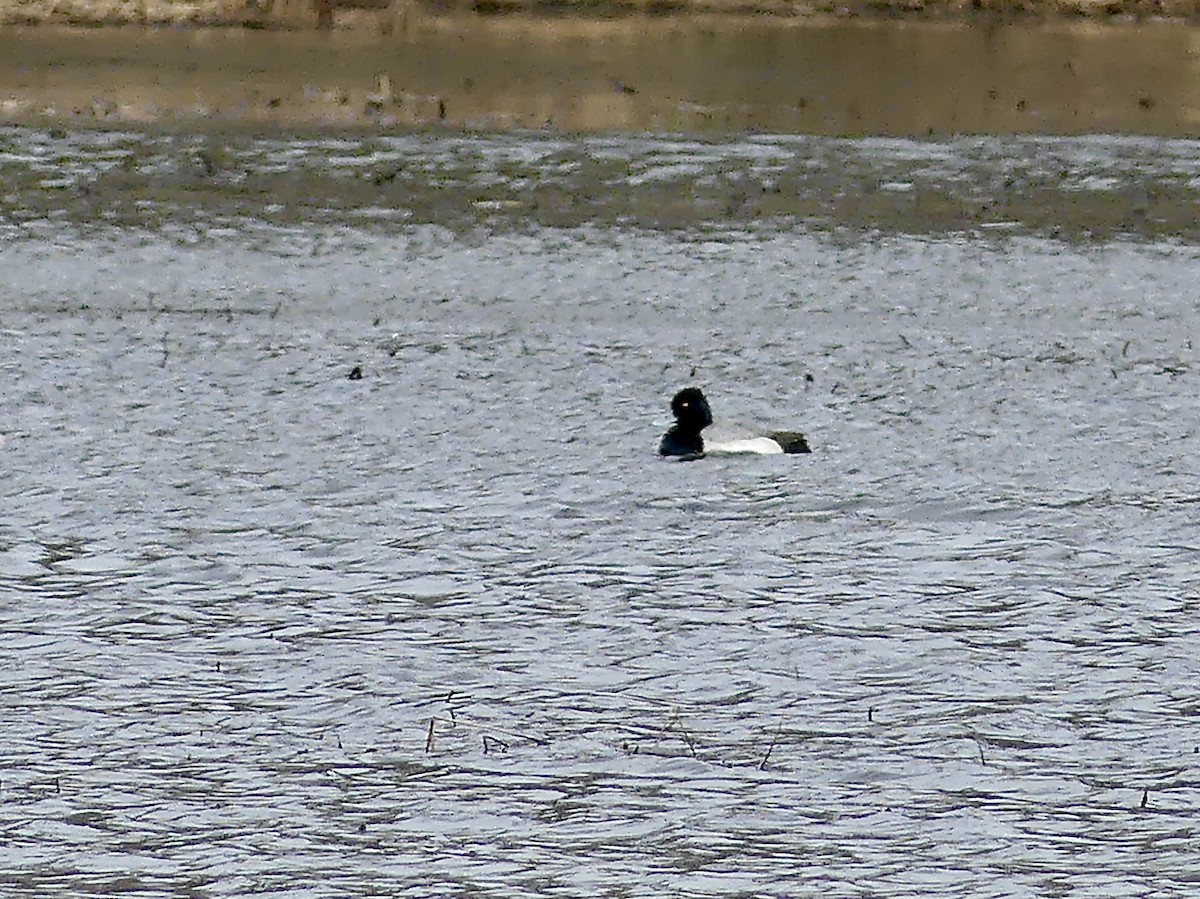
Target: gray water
(454,629)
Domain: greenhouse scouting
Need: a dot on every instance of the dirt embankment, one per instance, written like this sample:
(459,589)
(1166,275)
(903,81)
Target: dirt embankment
(300,14)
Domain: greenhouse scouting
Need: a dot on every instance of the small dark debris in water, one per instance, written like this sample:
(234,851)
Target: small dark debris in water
(386,176)
(492,743)
(339,741)
(355,373)
(808,378)
(275,102)
(904,340)
(429,736)
(871,713)
(1022,105)
(802,103)
(57,785)
(982,760)
(218,664)
(622,88)
(687,738)
(630,748)
(693,374)
(207,161)
(762,766)
(362,828)
(1145,797)
(375,324)
(1146,102)
(441,110)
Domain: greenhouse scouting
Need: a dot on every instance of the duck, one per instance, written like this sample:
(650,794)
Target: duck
(693,414)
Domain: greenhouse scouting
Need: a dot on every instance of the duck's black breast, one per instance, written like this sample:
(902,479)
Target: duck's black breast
(681,442)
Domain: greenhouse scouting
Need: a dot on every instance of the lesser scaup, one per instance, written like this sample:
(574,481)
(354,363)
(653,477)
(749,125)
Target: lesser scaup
(693,415)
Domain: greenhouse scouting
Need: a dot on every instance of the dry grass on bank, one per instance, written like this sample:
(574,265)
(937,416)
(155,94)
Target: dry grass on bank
(296,14)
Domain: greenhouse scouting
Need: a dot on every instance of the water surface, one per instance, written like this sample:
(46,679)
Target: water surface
(693,74)
(454,629)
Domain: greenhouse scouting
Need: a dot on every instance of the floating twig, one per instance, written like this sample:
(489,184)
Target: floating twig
(454,721)
(687,738)
(429,737)
(762,766)
(490,743)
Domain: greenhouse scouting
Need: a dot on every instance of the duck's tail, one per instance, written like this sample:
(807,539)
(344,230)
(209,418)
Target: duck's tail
(791,441)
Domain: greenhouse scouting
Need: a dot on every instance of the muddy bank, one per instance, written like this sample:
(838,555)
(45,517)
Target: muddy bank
(842,78)
(384,13)
(1079,189)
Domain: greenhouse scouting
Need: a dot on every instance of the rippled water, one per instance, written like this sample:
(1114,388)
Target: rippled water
(453,629)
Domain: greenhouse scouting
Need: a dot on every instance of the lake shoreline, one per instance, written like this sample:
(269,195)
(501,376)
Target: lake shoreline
(381,14)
